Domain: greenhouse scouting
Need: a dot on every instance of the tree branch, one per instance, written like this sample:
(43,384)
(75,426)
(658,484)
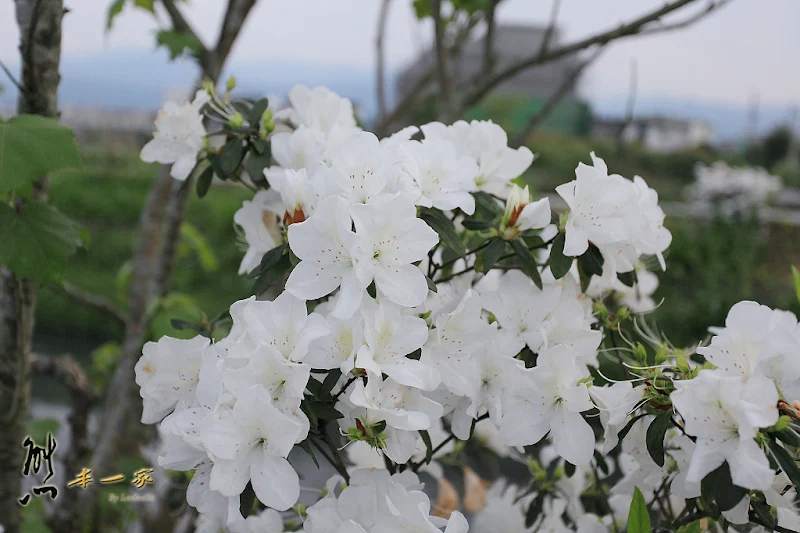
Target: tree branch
(566,85)
(93,300)
(488,40)
(180,24)
(232,23)
(551,27)
(66,514)
(11,77)
(380,80)
(481,85)
(442,63)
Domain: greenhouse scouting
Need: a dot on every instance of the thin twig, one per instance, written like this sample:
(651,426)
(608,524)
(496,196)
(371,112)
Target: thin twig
(566,86)
(11,77)
(442,63)
(344,388)
(93,300)
(380,59)
(488,40)
(551,27)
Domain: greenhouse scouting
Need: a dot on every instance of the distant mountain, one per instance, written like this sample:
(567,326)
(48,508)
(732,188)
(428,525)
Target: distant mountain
(143,79)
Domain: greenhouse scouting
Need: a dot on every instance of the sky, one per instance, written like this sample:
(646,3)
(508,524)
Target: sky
(747,48)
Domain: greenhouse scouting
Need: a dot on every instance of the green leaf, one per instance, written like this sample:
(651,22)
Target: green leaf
(177,42)
(36,240)
(422,8)
(719,488)
(796,279)
(528,262)
(492,253)
(113,10)
(431,284)
(329,382)
(247,500)
(204,181)
(39,428)
(627,278)
(255,112)
(569,469)
(269,260)
(655,436)
(31,146)
(559,263)
(256,162)
(426,438)
(445,228)
(324,411)
(194,241)
(230,157)
(694,527)
(592,261)
(306,447)
(638,517)
(476,225)
(147,5)
(534,510)
(786,462)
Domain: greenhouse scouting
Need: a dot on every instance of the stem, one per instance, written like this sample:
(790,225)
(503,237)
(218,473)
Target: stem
(337,462)
(613,339)
(445,442)
(344,388)
(330,460)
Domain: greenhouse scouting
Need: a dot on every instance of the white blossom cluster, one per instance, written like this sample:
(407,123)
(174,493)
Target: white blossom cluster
(733,189)
(416,362)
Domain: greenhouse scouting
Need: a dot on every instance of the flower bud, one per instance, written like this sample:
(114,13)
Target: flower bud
(237,120)
(230,84)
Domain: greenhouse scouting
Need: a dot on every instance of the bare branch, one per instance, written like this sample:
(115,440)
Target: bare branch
(93,300)
(11,76)
(566,85)
(180,24)
(442,62)
(488,40)
(380,81)
(482,85)
(551,27)
(232,23)
(66,514)
(631,104)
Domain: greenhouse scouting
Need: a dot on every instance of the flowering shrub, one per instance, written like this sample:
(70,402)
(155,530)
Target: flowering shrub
(733,190)
(435,318)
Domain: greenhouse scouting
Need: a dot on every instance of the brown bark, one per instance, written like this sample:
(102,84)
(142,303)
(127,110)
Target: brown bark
(39,22)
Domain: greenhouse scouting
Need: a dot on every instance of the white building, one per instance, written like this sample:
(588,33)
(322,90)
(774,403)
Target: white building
(662,135)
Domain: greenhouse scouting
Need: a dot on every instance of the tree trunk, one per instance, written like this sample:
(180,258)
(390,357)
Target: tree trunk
(40,46)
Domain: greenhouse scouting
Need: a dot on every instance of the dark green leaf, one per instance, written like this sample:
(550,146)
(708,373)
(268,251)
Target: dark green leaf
(177,323)
(719,488)
(230,157)
(314,387)
(655,436)
(422,8)
(592,261)
(255,113)
(259,145)
(269,260)
(147,5)
(256,163)
(492,253)
(601,462)
(431,284)
(789,437)
(426,438)
(324,411)
(445,228)
(638,517)
(329,382)
(36,240)
(569,469)
(177,42)
(306,447)
(204,181)
(559,263)
(786,462)
(694,527)
(628,278)
(475,225)
(534,510)
(247,500)
(306,408)
(528,262)
(31,146)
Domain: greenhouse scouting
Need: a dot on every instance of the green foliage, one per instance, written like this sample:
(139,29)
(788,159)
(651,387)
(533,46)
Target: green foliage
(178,42)
(445,228)
(38,429)
(796,280)
(36,240)
(194,242)
(655,436)
(116,7)
(559,263)
(31,146)
(638,516)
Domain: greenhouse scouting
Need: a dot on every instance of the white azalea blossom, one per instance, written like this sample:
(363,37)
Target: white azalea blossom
(179,136)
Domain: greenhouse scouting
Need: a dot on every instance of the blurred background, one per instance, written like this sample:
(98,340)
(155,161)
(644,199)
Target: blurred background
(722,88)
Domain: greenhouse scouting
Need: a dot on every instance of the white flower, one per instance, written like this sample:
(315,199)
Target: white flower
(299,193)
(283,324)
(487,143)
(168,374)
(502,514)
(325,243)
(615,404)
(338,348)
(390,239)
(599,206)
(542,317)
(250,443)
(179,137)
(638,298)
(725,413)
(550,398)
(390,335)
(450,346)
(652,237)
(320,109)
(259,220)
(745,341)
(304,148)
(404,409)
(441,177)
(360,169)
(521,214)
(267,521)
